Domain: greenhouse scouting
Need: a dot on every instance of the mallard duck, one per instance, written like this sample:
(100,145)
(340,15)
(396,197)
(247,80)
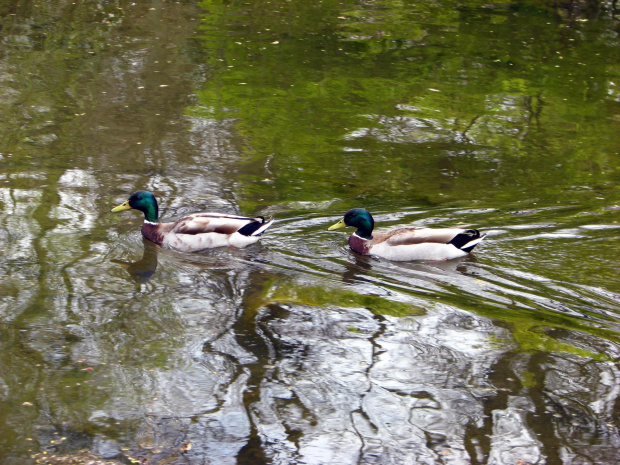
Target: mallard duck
(197,231)
(405,244)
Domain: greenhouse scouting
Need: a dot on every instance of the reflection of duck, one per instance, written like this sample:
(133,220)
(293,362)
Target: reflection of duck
(142,270)
(405,244)
(197,231)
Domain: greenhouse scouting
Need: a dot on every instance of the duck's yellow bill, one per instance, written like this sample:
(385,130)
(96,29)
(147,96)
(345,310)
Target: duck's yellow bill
(122,206)
(338,225)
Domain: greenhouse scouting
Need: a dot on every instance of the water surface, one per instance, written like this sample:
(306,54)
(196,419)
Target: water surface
(502,117)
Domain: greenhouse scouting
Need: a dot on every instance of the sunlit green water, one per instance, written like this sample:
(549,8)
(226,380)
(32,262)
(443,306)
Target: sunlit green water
(499,116)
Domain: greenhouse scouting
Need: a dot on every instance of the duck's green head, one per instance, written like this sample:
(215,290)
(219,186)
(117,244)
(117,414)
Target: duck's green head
(143,201)
(358,218)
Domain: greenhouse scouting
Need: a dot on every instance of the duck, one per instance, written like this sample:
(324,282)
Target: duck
(409,243)
(195,232)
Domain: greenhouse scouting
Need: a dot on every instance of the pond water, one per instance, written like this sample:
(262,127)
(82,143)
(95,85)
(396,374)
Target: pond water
(499,116)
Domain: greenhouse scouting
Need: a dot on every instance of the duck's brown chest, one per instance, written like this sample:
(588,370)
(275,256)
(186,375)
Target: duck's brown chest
(359,245)
(152,233)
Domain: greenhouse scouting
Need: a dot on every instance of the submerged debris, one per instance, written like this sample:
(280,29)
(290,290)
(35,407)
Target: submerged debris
(83,457)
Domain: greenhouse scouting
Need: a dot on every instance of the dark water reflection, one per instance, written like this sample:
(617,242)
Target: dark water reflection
(296,350)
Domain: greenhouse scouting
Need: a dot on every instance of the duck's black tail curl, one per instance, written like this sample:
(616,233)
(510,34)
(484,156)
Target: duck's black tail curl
(256,228)
(467,240)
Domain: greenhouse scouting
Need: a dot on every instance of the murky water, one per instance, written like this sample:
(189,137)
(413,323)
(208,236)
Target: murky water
(295,350)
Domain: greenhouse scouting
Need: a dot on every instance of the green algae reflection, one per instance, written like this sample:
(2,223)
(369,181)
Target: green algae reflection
(531,331)
(316,296)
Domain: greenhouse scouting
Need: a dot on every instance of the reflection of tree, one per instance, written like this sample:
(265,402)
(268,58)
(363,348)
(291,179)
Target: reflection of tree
(364,388)
(415,83)
(355,386)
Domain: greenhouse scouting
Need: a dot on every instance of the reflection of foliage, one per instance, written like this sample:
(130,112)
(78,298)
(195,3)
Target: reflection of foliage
(533,329)
(323,297)
(532,338)
(451,94)
(53,46)
(530,329)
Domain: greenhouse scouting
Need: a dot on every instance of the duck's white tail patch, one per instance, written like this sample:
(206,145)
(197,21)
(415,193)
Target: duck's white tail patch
(471,244)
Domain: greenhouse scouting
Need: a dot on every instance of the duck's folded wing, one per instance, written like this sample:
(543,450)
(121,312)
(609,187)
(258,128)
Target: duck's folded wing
(211,223)
(411,236)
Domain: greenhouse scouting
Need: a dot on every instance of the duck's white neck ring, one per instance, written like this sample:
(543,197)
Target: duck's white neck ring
(148,222)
